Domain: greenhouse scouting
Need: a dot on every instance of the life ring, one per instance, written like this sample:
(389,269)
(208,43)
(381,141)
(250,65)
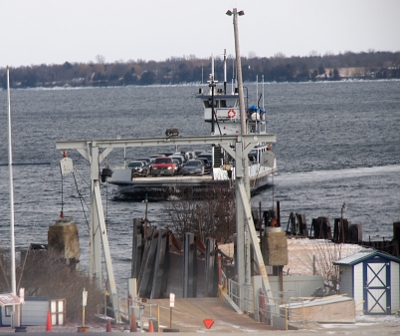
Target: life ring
(231,114)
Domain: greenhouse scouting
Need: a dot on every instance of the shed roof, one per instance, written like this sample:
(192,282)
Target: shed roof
(9,299)
(363,255)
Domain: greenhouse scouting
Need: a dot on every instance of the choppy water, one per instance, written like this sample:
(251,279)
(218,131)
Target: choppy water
(336,142)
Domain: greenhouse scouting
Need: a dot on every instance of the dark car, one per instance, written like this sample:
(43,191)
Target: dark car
(179,161)
(207,158)
(207,165)
(178,166)
(193,167)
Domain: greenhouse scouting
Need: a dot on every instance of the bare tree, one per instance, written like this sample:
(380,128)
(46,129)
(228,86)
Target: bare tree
(44,275)
(100,59)
(210,213)
(319,255)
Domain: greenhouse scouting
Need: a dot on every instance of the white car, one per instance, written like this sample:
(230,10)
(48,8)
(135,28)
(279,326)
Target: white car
(139,168)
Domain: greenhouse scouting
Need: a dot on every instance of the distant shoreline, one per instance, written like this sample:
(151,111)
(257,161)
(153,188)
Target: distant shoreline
(355,66)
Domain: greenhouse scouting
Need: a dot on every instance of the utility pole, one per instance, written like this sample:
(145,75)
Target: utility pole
(242,177)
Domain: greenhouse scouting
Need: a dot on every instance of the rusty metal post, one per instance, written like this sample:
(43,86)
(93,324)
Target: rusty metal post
(341,222)
(262,304)
(278,213)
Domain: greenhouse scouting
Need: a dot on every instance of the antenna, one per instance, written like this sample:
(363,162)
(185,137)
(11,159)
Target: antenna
(212,66)
(263,91)
(202,72)
(258,105)
(224,71)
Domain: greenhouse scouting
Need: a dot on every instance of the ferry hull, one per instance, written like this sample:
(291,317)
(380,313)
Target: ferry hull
(157,189)
(165,188)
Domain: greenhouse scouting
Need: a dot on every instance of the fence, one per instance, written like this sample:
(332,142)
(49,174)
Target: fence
(144,312)
(242,296)
(272,308)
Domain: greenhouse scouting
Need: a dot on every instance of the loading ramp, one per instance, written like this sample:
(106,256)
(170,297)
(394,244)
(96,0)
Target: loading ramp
(188,315)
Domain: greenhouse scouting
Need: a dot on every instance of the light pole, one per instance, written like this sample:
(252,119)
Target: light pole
(242,177)
(235,14)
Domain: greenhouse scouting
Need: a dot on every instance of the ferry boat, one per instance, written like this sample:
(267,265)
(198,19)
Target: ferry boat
(227,121)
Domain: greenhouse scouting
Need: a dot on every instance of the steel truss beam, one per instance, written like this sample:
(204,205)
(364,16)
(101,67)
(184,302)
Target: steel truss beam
(90,150)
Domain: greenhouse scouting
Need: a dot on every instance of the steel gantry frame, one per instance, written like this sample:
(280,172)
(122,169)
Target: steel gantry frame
(90,150)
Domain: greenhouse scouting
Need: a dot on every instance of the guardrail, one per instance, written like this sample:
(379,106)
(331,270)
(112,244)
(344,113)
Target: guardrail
(144,312)
(276,308)
(270,308)
(242,296)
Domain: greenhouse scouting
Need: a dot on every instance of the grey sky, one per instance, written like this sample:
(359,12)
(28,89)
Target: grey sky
(55,31)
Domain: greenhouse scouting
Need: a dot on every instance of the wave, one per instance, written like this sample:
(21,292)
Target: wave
(319,82)
(325,175)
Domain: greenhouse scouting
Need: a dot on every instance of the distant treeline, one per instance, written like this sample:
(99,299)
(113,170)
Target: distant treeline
(175,70)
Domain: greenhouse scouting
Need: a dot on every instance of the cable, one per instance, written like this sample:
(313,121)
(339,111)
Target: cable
(81,200)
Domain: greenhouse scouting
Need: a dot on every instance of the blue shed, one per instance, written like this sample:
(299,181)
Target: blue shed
(372,279)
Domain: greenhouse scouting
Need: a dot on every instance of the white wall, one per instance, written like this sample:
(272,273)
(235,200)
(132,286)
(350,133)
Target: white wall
(35,312)
(296,286)
(394,285)
(358,294)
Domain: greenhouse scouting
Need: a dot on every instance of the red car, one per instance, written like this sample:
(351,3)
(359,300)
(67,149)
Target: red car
(163,165)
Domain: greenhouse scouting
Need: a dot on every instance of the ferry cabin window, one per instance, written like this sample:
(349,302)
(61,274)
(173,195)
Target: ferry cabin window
(208,103)
(224,103)
(230,103)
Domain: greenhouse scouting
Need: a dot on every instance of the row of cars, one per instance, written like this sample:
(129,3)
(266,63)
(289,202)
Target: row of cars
(170,164)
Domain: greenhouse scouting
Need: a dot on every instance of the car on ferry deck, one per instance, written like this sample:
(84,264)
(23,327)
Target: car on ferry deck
(197,153)
(208,159)
(181,160)
(139,168)
(178,166)
(163,165)
(145,160)
(206,164)
(193,167)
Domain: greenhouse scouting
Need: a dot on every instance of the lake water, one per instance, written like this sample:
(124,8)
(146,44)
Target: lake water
(336,142)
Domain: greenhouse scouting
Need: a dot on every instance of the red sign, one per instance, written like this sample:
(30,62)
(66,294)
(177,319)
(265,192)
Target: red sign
(208,323)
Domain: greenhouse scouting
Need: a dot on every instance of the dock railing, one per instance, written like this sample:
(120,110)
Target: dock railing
(146,312)
(143,312)
(272,308)
(242,296)
(277,308)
